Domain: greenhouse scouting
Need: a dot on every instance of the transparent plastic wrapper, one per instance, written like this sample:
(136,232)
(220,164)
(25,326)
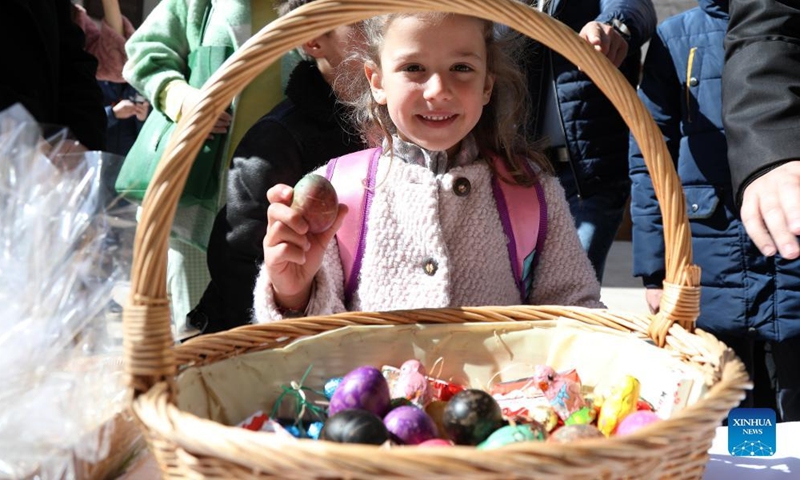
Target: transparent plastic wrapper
(65,255)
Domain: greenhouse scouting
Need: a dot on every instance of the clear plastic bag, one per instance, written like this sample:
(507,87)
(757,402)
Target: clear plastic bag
(65,255)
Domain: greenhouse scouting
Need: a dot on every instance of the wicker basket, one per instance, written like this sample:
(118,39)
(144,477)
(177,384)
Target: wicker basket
(188,446)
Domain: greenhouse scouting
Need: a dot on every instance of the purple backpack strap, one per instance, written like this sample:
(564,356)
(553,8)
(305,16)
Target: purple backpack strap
(353,177)
(524,219)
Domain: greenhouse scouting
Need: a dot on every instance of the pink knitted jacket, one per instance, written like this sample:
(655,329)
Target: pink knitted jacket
(416,219)
(105,44)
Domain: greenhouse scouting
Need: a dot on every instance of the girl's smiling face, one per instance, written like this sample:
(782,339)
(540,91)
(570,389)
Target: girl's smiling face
(433,78)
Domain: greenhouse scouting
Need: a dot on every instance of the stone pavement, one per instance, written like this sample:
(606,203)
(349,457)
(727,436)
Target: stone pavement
(620,290)
(666,8)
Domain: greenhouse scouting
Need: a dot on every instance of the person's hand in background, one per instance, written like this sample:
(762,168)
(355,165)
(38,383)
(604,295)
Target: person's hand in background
(142,110)
(124,109)
(179,98)
(606,40)
(653,298)
(192,98)
(771,211)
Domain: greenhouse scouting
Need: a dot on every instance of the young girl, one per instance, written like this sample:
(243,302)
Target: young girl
(445,97)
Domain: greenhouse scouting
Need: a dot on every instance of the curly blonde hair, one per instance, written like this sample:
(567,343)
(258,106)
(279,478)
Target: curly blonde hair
(500,128)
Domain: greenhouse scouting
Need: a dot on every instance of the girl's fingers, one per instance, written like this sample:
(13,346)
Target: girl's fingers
(284,253)
(284,224)
(280,193)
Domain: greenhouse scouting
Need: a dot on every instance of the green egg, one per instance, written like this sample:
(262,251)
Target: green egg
(584,416)
(508,435)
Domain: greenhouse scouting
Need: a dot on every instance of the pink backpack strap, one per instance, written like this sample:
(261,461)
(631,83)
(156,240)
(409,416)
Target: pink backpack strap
(522,210)
(353,177)
(523,213)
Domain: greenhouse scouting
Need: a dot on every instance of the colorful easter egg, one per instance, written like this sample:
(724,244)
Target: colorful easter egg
(573,433)
(410,425)
(471,416)
(510,434)
(636,420)
(316,200)
(354,426)
(363,388)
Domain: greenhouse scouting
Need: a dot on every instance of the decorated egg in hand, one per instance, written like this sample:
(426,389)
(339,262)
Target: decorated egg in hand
(471,416)
(410,425)
(354,426)
(364,388)
(316,200)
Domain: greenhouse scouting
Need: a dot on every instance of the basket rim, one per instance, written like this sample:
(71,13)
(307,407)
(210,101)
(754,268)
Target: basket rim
(209,348)
(699,419)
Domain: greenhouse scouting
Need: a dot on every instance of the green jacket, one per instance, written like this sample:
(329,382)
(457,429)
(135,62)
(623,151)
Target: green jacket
(159,49)
(158,53)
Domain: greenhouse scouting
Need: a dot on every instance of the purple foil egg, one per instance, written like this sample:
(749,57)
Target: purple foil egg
(364,388)
(410,425)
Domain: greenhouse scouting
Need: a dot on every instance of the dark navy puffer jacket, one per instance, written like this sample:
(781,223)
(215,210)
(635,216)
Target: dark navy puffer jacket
(595,132)
(743,292)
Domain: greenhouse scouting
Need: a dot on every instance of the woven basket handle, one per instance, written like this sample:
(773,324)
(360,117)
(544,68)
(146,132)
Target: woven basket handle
(148,341)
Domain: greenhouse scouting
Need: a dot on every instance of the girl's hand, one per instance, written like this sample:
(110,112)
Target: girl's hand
(292,256)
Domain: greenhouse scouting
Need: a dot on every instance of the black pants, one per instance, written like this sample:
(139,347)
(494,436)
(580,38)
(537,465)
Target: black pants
(774,368)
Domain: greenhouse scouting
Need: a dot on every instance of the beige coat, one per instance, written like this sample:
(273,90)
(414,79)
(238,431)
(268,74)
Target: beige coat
(416,217)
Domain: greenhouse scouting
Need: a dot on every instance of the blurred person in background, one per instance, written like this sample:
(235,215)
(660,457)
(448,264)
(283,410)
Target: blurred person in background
(158,53)
(761,114)
(48,70)
(586,138)
(682,88)
(106,32)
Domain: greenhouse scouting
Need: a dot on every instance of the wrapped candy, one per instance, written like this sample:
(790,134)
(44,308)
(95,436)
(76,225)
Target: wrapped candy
(439,389)
(620,402)
(563,393)
(412,384)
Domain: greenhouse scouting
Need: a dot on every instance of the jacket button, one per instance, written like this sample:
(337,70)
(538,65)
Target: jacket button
(693,82)
(430,266)
(695,207)
(461,187)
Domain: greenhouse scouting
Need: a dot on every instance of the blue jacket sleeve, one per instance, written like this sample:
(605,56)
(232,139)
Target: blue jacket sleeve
(660,90)
(638,15)
(111,119)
